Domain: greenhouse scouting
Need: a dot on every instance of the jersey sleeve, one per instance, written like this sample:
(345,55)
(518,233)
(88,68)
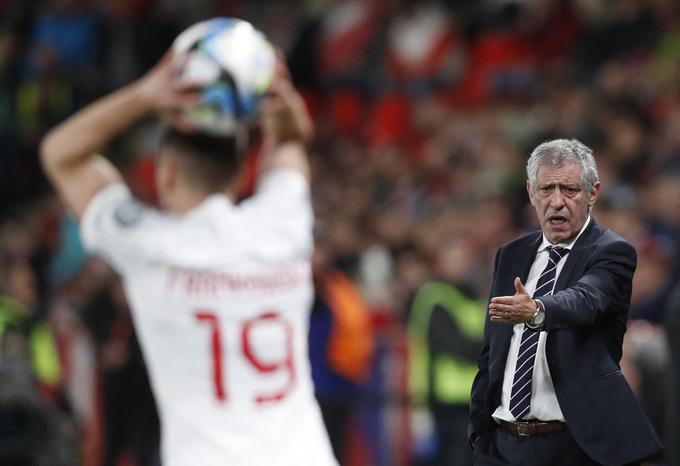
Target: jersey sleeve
(122,230)
(282,209)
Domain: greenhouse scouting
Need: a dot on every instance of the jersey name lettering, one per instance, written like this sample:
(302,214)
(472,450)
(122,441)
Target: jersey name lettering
(197,283)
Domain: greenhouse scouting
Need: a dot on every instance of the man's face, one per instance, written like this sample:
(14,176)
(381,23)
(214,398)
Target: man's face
(561,202)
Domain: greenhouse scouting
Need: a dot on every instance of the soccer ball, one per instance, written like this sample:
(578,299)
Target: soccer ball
(234,64)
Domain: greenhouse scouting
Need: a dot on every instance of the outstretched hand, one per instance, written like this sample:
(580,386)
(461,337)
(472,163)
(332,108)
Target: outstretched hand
(515,309)
(164,94)
(284,113)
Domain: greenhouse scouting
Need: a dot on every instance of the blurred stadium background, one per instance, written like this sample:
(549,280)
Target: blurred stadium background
(425,113)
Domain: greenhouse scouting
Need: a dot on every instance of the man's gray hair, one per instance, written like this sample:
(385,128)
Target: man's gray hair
(560,152)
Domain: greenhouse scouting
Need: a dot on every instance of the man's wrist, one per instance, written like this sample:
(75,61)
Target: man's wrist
(537,321)
(140,92)
(539,304)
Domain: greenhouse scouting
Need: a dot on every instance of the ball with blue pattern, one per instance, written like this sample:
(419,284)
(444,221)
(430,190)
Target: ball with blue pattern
(234,64)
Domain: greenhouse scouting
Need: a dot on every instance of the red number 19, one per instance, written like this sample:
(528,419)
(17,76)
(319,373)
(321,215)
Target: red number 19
(285,364)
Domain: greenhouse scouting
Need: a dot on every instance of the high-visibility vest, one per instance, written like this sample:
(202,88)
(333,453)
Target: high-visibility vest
(445,378)
(350,345)
(42,347)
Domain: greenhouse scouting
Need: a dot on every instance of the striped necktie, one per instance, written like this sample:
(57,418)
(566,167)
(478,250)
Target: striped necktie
(520,395)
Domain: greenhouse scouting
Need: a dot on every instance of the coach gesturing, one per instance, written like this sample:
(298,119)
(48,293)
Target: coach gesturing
(549,389)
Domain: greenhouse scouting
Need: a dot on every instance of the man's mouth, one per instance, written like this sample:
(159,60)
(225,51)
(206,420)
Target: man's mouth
(557,220)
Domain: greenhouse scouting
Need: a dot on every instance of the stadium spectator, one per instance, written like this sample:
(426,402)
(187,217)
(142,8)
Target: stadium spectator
(34,427)
(340,349)
(445,328)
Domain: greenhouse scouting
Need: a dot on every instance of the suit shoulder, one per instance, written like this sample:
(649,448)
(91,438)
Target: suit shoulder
(611,239)
(610,236)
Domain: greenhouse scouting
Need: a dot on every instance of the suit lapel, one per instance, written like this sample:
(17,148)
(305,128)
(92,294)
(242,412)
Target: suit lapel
(521,265)
(580,247)
(529,260)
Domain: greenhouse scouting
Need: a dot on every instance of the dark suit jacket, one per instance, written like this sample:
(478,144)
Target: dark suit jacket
(585,319)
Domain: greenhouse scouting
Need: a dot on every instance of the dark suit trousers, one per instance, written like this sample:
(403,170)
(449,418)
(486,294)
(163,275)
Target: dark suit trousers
(502,447)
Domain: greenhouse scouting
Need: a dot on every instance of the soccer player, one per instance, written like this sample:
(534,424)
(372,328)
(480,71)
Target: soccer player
(220,291)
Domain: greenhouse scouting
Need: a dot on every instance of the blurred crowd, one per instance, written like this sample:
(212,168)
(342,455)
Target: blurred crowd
(425,113)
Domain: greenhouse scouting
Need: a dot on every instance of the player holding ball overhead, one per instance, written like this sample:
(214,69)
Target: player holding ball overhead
(220,291)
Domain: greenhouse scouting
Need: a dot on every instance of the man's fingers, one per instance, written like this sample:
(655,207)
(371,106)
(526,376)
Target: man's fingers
(189,100)
(503,300)
(187,86)
(167,58)
(520,287)
(504,318)
(285,115)
(272,103)
(185,126)
(281,72)
(501,307)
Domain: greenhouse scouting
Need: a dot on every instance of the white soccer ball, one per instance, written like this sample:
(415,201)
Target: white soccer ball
(234,64)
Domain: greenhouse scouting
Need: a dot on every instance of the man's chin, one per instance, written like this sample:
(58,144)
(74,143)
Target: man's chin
(558,236)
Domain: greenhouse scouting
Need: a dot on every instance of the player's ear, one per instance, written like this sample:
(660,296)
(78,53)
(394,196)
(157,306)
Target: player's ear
(173,172)
(167,172)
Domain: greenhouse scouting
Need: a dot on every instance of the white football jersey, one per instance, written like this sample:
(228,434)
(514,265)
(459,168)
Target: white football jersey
(220,298)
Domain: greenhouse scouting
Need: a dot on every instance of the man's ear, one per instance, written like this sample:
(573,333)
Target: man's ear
(167,172)
(172,171)
(594,194)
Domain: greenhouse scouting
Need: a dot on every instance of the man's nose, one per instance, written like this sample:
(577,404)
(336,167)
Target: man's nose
(557,199)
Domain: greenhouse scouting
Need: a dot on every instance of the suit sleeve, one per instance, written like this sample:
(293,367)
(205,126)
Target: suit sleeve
(480,417)
(605,287)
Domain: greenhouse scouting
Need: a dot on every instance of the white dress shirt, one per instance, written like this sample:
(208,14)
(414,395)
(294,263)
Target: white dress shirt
(544,405)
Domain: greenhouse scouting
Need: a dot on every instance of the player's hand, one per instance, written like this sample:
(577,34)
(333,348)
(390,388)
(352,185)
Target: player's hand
(284,113)
(516,309)
(164,95)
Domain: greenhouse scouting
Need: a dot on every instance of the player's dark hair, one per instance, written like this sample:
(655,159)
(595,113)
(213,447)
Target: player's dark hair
(211,161)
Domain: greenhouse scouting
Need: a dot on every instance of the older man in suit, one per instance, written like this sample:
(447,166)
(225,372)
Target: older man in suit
(549,390)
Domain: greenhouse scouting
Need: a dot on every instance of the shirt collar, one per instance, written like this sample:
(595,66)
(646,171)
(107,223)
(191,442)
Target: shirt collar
(545,244)
(212,201)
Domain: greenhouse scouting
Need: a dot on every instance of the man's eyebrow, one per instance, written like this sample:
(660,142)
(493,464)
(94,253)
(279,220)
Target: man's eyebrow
(561,185)
(569,183)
